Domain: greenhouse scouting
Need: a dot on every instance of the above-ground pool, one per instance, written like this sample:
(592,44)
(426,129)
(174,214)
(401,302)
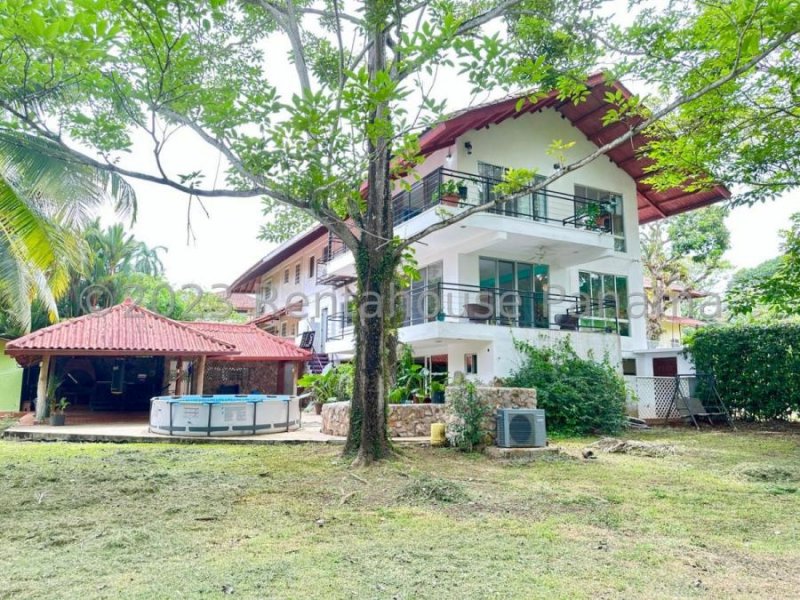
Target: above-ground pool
(198,416)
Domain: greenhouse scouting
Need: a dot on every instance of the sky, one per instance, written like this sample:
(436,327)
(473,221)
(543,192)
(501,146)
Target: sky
(225,243)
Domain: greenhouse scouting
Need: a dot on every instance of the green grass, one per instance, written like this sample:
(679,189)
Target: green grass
(719,519)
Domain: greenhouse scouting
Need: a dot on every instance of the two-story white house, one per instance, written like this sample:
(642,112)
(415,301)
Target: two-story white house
(563,262)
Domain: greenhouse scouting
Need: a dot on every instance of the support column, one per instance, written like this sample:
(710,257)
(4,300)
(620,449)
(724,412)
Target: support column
(199,375)
(298,369)
(178,376)
(41,389)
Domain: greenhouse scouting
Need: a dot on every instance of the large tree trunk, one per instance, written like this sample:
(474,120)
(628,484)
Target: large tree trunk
(368,436)
(376,264)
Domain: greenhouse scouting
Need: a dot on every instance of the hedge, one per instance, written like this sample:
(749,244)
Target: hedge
(757,367)
(579,396)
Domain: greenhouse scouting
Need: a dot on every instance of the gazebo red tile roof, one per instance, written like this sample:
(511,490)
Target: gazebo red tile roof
(122,330)
(254,344)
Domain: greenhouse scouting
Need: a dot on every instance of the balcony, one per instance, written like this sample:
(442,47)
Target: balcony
(340,326)
(448,188)
(335,267)
(461,303)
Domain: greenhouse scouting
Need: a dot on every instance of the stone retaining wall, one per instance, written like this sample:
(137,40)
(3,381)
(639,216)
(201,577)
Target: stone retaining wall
(499,397)
(405,420)
(414,420)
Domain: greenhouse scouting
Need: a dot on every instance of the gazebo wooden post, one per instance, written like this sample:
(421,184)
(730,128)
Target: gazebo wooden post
(298,371)
(178,375)
(41,388)
(200,375)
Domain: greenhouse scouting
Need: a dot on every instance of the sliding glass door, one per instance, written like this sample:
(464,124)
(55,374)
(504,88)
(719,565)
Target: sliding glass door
(516,292)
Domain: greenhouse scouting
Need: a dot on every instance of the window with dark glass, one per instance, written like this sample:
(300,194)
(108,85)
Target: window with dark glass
(515,291)
(423,301)
(604,302)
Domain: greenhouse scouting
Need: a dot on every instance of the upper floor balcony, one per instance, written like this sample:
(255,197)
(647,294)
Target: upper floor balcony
(562,229)
(455,189)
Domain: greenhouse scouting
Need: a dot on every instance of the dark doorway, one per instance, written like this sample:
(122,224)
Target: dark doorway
(665,367)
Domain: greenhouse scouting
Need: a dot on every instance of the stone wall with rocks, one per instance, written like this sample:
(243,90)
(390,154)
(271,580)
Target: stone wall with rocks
(405,420)
(414,420)
(495,397)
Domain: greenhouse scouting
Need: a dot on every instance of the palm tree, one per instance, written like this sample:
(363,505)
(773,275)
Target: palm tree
(45,199)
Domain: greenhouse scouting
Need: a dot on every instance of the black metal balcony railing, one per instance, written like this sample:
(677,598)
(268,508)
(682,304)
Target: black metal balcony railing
(340,326)
(457,189)
(456,302)
(511,308)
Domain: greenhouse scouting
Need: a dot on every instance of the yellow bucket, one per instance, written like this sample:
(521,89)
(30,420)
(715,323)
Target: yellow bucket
(437,434)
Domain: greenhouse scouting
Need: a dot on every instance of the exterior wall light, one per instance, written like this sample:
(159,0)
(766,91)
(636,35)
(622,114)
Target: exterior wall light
(468,146)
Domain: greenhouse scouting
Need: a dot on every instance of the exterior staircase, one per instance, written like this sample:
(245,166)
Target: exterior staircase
(317,363)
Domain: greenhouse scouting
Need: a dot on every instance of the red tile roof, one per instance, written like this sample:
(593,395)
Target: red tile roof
(253,343)
(122,330)
(240,302)
(586,116)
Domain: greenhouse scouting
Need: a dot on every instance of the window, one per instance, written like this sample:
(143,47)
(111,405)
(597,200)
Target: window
(283,329)
(529,205)
(286,276)
(604,300)
(264,297)
(422,302)
(266,288)
(471,364)
(312,263)
(612,203)
(297,273)
(515,291)
(629,366)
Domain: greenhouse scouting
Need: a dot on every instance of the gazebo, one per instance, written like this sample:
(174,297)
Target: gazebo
(117,358)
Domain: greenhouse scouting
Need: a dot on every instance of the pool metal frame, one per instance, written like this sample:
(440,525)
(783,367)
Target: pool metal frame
(244,398)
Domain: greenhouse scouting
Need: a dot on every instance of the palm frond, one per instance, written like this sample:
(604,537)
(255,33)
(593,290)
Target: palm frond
(65,189)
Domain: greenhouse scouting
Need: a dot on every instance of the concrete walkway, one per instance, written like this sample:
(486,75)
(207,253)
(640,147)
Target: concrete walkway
(138,432)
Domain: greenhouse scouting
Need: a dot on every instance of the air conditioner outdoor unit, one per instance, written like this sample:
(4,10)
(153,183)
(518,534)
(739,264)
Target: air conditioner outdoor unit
(521,428)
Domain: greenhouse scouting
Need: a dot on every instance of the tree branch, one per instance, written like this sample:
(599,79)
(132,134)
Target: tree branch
(737,70)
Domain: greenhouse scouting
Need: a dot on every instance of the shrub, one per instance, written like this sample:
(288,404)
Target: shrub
(757,367)
(336,382)
(466,415)
(579,396)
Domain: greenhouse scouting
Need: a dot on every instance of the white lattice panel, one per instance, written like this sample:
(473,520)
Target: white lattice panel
(655,395)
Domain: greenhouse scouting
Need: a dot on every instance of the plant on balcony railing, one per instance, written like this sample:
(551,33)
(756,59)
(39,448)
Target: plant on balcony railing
(450,193)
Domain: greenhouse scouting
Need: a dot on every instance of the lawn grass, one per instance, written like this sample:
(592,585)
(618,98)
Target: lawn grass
(719,519)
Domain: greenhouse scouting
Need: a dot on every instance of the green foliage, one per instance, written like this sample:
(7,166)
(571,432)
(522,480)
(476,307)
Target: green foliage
(757,367)
(684,252)
(775,285)
(579,396)
(467,414)
(410,380)
(336,382)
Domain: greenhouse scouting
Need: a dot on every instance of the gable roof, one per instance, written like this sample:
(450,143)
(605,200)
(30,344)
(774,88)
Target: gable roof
(587,117)
(253,344)
(126,329)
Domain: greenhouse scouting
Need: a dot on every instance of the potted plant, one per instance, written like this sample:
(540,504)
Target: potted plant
(452,193)
(57,410)
(437,392)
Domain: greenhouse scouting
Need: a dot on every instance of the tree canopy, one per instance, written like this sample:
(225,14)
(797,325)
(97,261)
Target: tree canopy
(100,79)
(682,255)
(772,289)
